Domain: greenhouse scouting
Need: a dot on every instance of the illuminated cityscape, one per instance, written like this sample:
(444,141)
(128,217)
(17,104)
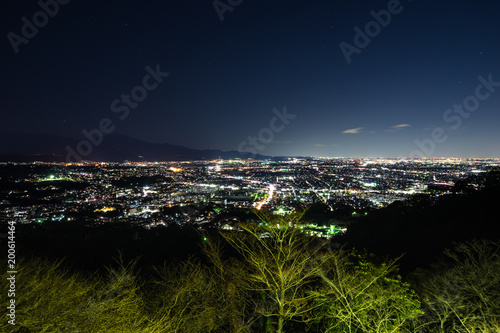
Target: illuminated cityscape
(207,193)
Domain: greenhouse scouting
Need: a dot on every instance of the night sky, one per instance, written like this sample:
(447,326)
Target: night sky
(225,77)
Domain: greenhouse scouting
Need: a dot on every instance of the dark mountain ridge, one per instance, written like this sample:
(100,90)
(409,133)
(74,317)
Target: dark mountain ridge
(423,226)
(23,147)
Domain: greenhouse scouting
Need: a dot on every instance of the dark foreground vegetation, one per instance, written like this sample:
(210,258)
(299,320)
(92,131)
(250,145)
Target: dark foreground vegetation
(275,280)
(423,226)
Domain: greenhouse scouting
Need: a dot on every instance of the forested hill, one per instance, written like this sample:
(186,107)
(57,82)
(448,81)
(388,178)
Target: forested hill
(426,224)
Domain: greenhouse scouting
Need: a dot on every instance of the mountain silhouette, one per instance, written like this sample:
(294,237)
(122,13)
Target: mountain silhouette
(112,148)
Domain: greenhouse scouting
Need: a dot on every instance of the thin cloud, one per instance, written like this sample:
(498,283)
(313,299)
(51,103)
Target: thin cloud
(401,126)
(397,127)
(353,130)
(319,145)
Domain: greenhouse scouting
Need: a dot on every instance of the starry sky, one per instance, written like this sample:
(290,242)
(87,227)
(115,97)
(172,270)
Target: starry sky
(295,77)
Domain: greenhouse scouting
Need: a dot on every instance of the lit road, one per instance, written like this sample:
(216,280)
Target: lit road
(269,197)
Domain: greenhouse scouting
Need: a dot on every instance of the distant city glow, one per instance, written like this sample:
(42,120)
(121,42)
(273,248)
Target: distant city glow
(208,193)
